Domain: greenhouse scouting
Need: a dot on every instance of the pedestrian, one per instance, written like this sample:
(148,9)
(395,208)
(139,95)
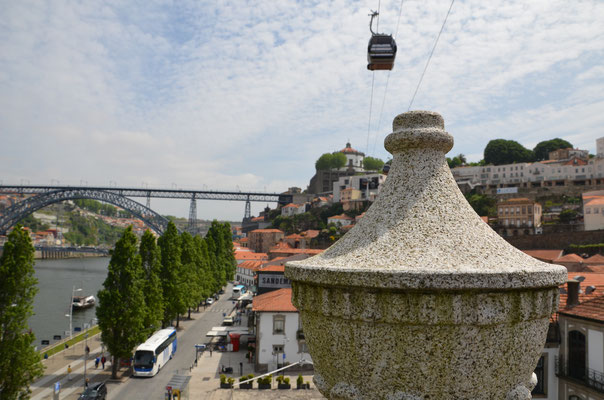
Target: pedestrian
(210,351)
(97,360)
(46,356)
(86,382)
(69,372)
(103,361)
(87,350)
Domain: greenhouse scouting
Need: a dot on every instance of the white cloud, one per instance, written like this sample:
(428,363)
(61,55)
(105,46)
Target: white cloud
(227,94)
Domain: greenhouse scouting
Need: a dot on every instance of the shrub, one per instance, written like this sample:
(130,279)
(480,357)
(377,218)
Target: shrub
(231,381)
(286,380)
(299,380)
(223,378)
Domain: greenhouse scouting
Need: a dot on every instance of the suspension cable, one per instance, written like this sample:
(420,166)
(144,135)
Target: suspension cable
(431,53)
(370,109)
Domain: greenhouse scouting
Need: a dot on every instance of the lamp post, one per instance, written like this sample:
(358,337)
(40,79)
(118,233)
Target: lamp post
(85,356)
(70,315)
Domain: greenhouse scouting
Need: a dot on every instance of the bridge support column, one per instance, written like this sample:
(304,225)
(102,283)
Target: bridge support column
(248,210)
(193,216)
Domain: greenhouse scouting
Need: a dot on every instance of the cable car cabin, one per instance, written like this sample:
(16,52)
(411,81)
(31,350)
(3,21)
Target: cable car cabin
(381,52)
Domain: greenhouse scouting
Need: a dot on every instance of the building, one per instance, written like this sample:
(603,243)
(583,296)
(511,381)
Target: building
(279,336)
(340,220)
(547,256)
(285,250)
(292,209)
(600,147)
(270,275)
(565,154)
(354,159)
(369,186)
(322,181)
(593,210)
(518,216)
(261,240)
(246,273)
(301,240)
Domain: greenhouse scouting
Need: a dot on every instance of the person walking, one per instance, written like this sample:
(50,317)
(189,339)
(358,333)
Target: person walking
(97,360)
(103,360)
(69,372)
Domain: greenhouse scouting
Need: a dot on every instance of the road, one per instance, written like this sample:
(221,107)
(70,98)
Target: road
(195,332)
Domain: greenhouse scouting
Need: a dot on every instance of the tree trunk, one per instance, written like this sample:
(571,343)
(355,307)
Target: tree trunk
(177,319)
(189,317)
(114,365)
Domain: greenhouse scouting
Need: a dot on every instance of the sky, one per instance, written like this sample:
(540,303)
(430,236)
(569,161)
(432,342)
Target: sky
(246,95)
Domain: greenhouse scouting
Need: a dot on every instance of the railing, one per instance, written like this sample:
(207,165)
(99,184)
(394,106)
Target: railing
(591,378)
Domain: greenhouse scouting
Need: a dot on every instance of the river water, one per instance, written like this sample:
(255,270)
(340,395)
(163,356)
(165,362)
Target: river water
(56,280)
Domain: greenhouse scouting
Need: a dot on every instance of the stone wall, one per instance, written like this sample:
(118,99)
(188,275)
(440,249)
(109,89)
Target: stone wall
(560,240)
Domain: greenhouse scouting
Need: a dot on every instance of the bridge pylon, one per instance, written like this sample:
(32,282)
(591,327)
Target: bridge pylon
(248,210)
(192,228)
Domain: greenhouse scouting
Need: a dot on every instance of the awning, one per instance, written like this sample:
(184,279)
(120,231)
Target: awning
(178,382)
(225,330)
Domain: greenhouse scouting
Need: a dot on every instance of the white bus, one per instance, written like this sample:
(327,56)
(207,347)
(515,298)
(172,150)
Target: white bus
(237,291)
(155,352)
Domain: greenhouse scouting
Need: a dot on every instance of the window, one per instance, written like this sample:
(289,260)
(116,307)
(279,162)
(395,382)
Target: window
(541,387)
(500,211)
(278,324)
(277,349)
(302,347)
(596,210)
(517,210)
(576,355)
(587,210)
(523,209)
(530,209)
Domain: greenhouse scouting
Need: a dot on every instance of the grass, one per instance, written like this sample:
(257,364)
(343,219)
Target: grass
(76,339)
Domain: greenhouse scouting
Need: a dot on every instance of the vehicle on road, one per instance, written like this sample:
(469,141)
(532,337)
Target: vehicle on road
(209,301)
(155,352)
(95,391)
(227,321)
(237,291)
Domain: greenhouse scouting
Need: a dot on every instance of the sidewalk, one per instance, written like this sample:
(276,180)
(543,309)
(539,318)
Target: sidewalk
(56,371)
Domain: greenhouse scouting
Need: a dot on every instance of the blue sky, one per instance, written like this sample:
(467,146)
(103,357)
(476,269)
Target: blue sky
(247,95)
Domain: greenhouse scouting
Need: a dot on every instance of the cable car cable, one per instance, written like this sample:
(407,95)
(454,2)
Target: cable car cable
(370,109)
(431,53)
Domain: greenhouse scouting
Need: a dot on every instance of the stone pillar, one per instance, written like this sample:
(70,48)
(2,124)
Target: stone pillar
(421,299)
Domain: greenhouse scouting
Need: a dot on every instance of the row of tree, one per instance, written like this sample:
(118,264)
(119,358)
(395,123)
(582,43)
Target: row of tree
(501,151)
(152,283)
(337,160)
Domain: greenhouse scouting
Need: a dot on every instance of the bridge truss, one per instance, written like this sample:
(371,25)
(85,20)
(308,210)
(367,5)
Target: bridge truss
(46,195)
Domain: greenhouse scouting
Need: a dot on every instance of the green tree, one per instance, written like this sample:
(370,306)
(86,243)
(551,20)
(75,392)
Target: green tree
(20,364)
(501,151)
(482,204)
(191,262)
(323,163)
(567,216)
(204,272)
(171,275)
(373,164)
(329,161)
(121,310)
(152,289)
(543,149)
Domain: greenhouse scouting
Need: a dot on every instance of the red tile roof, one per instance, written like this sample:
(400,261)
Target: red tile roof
(257,219)
(266,231)
(343,216)
(274,301)
(273,268)
(311,233)
(349,150)
(598,269)
(597,259)
(281,246)
(251,265)
(291,205)
(293,236)
(592,309)
(250,255)
(544,255)
(296,251)
(569,258)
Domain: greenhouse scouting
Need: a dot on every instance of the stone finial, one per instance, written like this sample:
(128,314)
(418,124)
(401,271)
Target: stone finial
(421,299)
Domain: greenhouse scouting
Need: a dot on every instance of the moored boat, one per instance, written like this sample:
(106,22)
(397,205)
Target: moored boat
(81,302)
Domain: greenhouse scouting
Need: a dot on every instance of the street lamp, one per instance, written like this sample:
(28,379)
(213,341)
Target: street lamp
(70,315)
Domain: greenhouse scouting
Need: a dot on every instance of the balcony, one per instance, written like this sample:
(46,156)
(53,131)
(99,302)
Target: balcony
(585,376)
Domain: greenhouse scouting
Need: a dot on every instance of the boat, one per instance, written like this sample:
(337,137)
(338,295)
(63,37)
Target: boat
(81,302)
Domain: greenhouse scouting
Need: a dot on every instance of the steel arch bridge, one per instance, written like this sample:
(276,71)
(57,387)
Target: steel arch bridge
(18,211)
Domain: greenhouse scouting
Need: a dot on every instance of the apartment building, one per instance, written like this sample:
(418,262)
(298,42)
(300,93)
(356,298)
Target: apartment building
(261,240)
(518,216)
(368,185)
(593,210)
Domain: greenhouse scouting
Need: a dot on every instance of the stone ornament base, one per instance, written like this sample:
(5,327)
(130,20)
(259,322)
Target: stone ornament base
(411,328)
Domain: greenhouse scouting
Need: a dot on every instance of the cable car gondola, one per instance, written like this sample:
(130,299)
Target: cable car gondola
(381,50)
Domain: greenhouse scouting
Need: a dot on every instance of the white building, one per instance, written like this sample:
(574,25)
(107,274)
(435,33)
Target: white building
(340,220)
(368,184)
(279,337)
(354,159)
(292,209)
(593,210)
(600,147)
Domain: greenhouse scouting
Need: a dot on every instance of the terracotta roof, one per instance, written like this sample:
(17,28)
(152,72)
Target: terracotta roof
(343,216)
(250,264)
(272,268)
(569,258)
(575,161)
(591,279)
(257,219)
(485,219)
(350,150)
(593,201)
(591,309)
(293,236)
(281,246)
(250,255)
(595,259)
(266,231)
(516,200)
(291,205)
(598,269)
(243,240)
(544,255)
(296,251)
(311,233)
(274,301)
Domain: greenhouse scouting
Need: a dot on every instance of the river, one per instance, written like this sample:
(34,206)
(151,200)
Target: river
(56,280)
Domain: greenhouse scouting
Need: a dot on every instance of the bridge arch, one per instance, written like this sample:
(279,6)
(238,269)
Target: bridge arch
(20,210)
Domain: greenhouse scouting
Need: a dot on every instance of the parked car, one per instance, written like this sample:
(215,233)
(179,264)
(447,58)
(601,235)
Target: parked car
(209,301)
(95,391)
